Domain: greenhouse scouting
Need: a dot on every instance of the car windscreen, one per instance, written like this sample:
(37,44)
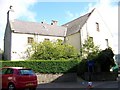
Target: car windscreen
(26,72)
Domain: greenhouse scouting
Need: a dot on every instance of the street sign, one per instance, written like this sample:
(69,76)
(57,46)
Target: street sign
(90,63)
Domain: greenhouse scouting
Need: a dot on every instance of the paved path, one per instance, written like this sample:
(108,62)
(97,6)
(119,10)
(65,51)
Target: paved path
(81,85)
(111,85)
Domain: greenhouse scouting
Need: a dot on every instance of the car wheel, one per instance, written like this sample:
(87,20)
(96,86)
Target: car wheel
(11,87)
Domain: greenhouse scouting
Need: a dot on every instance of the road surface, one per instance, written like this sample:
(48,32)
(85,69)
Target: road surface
(103,85)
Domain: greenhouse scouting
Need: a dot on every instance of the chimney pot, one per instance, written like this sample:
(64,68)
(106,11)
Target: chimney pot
(54,22)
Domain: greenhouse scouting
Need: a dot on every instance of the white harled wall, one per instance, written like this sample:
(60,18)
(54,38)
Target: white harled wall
(20,44)
(89,28)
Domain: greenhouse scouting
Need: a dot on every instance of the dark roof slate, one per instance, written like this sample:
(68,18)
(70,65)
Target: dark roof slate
(74,26)
(19,26)
(69,28)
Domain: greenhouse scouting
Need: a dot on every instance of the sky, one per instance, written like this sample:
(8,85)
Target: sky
(61,10)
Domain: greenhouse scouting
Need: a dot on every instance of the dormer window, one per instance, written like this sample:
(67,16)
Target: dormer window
(97,26)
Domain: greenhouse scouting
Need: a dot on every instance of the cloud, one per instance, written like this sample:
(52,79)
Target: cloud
(71,16)
(21,8)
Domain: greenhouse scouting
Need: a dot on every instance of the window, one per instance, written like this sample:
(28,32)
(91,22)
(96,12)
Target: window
(107,43)
(91,38)
(47,39)
(26,72)
(3,71)
(30,40)
(97,26)
(7,71)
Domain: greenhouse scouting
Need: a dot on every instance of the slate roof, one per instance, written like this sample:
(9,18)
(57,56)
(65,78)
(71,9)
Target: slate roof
(19,26)
(45,29)
(75,25)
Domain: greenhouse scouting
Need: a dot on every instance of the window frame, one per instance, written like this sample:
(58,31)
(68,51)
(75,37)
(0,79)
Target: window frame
(107,42)
(46,39)
(97,27)
(30,40)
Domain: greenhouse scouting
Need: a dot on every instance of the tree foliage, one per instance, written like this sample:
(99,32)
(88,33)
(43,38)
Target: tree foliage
(105,60)
(48,50)
(89,49)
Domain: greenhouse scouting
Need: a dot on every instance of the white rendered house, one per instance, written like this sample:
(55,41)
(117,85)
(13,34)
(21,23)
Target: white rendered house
(22,34)
(90,24)
(19,34)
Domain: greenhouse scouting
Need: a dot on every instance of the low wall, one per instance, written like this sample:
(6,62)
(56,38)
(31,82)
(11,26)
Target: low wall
(47,78)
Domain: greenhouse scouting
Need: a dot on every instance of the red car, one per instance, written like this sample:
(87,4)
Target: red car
(14,78)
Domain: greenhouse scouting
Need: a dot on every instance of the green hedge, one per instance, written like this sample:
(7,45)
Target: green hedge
(46,66)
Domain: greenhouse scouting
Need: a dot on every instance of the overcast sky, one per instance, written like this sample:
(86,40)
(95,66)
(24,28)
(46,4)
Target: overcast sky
(63,11)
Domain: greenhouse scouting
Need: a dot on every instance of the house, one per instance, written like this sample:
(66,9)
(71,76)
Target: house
(19,34)
(92,25)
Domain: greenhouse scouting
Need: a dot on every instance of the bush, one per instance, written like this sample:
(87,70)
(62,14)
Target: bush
(46,66)
(82,67)
(102,62)
(51,51)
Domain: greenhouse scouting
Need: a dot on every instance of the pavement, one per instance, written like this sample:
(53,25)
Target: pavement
(81,85)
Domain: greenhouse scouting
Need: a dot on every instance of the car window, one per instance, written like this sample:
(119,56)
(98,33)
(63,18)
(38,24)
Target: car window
(26,72)
(2,71)
(9,71)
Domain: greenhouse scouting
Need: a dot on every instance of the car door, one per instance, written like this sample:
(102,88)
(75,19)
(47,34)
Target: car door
(0,79)
(3,70)
(7,74)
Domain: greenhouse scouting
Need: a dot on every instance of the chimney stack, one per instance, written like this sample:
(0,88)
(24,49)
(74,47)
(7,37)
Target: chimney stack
(54,22)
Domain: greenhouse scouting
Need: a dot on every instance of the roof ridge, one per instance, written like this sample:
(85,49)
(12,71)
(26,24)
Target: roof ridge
(25,21)
(35,23)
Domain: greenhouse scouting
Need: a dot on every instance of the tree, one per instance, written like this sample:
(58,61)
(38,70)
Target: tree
(48,50)
(89,49)
(105,60)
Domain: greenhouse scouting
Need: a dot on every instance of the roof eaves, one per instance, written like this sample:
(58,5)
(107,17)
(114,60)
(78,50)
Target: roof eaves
(38,34)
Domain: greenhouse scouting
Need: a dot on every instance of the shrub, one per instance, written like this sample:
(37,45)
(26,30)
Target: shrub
(82,67)
(51,51)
